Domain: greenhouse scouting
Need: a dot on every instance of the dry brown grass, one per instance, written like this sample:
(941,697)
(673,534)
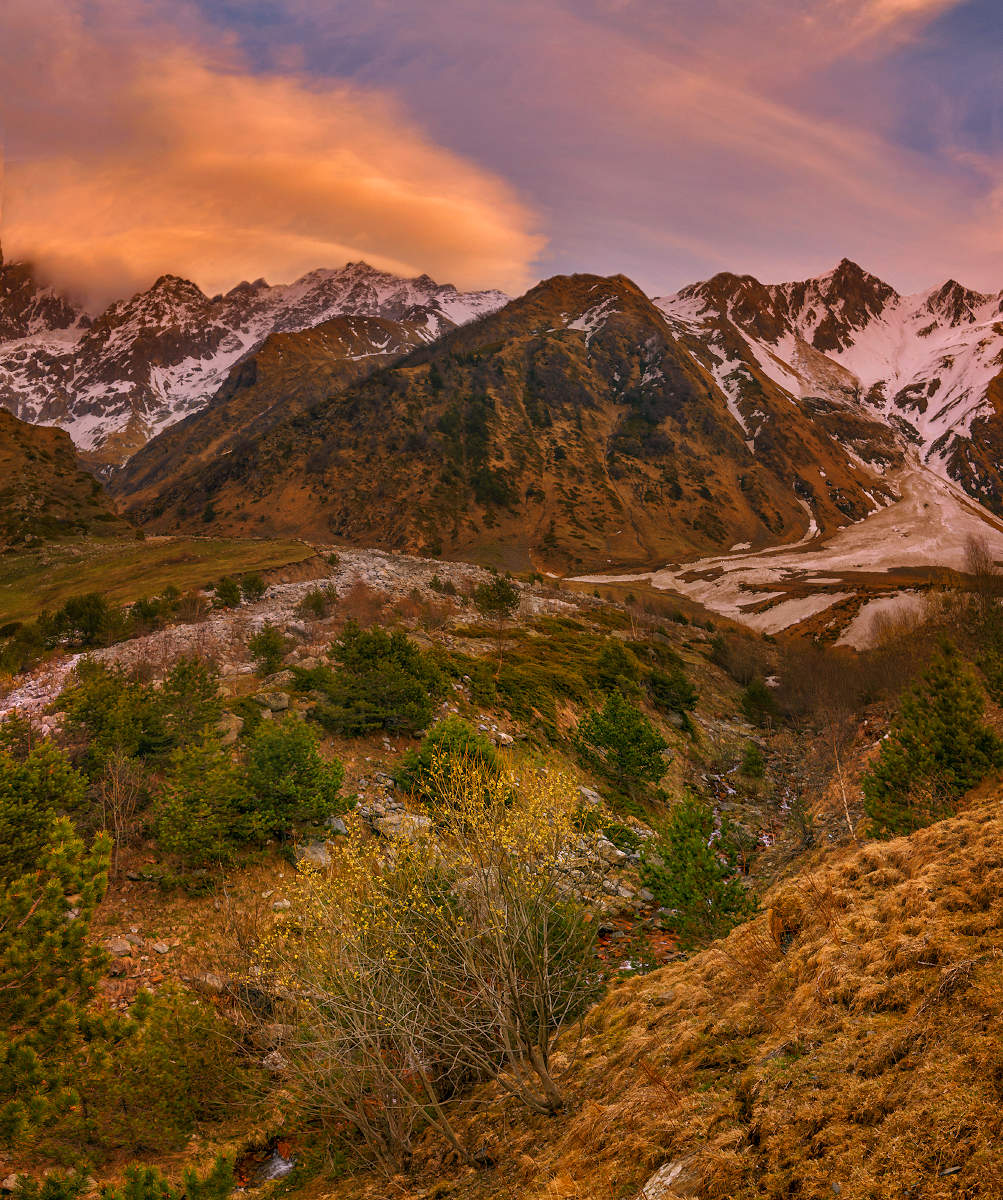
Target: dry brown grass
(849,1035)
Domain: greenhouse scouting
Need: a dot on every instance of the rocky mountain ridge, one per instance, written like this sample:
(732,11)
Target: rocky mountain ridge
(115,379)
(929,365)
(573,426)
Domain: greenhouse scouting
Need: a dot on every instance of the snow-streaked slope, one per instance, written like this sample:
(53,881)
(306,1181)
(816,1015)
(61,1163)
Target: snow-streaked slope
(923,362)
(116,380)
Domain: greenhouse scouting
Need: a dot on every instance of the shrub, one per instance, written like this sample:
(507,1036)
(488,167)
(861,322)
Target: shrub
(671,691)
(699,881)
(288,781)
(616,669)
(753,763)
(190,699)
(412,975)
(937,749)
(228,593)
(268,647)
(620,741)
(252,588)
(497,600)
(759,703)
(112,714)
(32,793)
(450,745)
(48,972)
(382,681)
(317,602)
(201,809)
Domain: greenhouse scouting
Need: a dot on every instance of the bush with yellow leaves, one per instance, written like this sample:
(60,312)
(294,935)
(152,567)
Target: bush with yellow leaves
(414,970)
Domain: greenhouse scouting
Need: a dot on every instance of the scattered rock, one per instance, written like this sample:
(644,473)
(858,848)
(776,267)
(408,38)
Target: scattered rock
(119,946)
(337,826)
(10,1183)
(160,947)
(314,854)
(279,679)
(281,906)
(229,727)
(590,796)
(677,1178)
(404,825)
(505,739)
(273,701)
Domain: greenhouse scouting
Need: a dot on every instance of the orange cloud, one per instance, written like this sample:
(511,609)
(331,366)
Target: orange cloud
(199,167)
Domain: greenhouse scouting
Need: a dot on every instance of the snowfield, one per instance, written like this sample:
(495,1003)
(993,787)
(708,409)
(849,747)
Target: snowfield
(926,528)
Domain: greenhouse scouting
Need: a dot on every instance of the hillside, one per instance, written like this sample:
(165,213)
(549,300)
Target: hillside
(841,1044)
(570,428)
(289,374)
(44,492)
(114,379)
(929,364)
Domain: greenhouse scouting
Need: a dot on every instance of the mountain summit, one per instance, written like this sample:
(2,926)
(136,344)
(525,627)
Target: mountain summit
(153,359)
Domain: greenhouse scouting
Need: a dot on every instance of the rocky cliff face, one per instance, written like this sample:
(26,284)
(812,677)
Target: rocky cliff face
(115,380)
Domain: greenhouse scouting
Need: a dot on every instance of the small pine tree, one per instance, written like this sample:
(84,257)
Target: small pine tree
(617,669)
(753,763)
(497,600)
(48,972)
(201,809)
(620,741)
(228,593)
(937,749)
(699,881)
(252,588)
(671,691)
(32,793)
(759,703)
(190,699)
(268,647)
(288,781)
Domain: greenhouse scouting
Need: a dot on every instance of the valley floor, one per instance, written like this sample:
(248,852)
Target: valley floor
(836,585)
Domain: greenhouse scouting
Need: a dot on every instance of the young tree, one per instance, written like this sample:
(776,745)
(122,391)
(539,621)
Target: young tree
(938,748)
(382,681)
(228,593)
(33,792)
(450,745)
(671,691)
(48,972)
(497,600)
(288,781)
(252,587)
(268,647)
(201,813)
(620,741)
(699,881)
(190,699)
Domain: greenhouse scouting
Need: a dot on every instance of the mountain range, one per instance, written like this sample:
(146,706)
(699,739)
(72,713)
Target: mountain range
(115,379)
(580,425)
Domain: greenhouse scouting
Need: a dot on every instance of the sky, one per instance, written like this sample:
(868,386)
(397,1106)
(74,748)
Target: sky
(491,143)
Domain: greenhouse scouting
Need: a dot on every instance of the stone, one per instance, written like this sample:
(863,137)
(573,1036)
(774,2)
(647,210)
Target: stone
(505,739)
(273,701)
(135,940)
(119,946)
(314,854)
(281,906)
(647,895)
(677,1178)
(229,727)
(590,796)
(279,679)
(609,853)
(403,825)
(337,826)
(10,1183)
(160,947)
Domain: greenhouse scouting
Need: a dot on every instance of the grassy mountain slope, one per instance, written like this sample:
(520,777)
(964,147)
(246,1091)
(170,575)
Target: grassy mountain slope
(570,428)
(287,375)
(44,493)
(843,1043)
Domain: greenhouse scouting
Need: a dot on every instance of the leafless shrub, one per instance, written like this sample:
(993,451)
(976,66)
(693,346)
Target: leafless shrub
(121,789)
(363,603)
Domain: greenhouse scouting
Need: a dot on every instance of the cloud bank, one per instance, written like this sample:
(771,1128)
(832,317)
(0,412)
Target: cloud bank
(134,148)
